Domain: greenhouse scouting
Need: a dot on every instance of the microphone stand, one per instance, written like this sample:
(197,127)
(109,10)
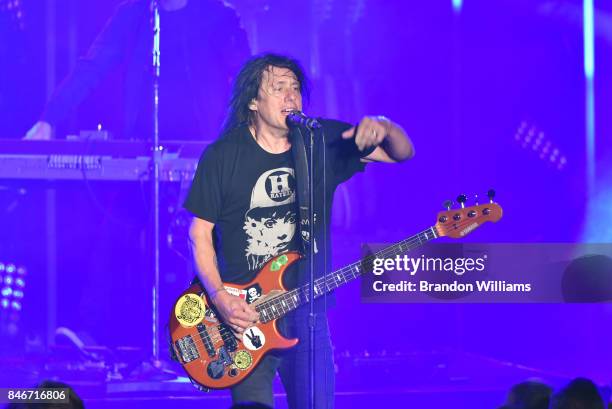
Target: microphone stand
(312,317)
(152,370)
(304,164)
(311,284)
(156,153)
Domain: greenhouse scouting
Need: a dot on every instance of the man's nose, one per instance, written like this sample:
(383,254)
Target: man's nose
(291,96)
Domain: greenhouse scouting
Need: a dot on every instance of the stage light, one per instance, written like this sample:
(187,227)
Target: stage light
(531,138)
(457,4)
(12,278)
(588,23)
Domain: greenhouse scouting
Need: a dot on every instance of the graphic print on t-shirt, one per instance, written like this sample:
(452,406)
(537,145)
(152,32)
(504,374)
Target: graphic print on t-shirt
(270,222)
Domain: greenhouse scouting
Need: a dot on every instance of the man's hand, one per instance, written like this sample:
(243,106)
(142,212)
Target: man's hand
(371,131)
(235,312)
(40,131)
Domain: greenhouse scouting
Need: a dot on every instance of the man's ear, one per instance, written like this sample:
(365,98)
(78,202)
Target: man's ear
(253,105)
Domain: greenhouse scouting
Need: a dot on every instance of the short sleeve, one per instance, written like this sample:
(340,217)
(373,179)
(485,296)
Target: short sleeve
(344,157)
(205,195)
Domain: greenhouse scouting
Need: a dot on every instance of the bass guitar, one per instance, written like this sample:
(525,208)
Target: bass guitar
(207,348)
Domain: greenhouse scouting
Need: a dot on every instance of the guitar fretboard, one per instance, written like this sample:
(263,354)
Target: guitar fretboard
(282,304)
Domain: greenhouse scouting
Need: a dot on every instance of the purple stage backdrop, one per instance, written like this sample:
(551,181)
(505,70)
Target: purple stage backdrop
(494,95)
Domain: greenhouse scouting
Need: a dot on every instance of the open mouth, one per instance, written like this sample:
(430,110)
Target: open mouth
(287,111)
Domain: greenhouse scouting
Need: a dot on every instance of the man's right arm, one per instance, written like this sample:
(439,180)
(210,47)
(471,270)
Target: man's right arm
(234,310)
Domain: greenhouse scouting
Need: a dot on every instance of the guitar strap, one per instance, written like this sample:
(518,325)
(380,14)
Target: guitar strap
(298,150)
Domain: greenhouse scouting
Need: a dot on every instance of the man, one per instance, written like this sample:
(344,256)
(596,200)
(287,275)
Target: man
(201,45)
(244,202)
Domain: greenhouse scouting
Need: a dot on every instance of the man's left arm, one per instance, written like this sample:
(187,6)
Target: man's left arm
(391,142)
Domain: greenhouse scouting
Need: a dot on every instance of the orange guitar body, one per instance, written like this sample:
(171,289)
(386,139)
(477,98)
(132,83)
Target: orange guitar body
(207,349)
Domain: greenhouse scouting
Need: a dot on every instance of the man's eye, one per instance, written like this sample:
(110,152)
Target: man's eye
(270,223)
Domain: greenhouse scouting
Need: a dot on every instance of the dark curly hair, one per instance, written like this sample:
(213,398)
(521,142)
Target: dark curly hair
(247,83)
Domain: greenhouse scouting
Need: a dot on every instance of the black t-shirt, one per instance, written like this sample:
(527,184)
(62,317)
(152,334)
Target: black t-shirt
(250,195)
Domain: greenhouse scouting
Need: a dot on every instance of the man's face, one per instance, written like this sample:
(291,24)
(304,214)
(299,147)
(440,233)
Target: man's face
(278,94)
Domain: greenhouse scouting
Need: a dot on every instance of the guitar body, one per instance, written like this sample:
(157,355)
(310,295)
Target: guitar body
(207,349)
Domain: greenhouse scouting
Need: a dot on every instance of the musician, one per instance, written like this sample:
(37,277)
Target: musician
(201,45)
(243,198)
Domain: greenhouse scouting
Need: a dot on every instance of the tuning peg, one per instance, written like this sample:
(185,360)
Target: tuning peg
(491,195)
(461,199)
(447,204)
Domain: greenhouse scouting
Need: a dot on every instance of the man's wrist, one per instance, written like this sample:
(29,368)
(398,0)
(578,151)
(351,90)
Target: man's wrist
(214,293)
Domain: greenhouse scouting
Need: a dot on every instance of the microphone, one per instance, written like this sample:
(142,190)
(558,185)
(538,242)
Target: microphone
(298,118)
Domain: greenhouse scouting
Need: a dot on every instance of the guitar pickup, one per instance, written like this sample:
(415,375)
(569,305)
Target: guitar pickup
(228,338)
(208,344)
(187,349)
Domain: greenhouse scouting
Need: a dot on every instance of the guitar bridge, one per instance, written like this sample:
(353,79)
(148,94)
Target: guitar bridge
(187,349)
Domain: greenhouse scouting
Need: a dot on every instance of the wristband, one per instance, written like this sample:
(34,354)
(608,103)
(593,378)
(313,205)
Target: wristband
(216,292)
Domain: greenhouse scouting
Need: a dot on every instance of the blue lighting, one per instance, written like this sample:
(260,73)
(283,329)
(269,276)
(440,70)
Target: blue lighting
(589,38)
(457,5)
(589,73)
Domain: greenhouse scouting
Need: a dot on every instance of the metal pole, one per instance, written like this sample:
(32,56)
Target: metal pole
(311,288)
(50,192)
(156,158)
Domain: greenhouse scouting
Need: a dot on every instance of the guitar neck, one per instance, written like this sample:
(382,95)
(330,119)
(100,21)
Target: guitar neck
(290,300)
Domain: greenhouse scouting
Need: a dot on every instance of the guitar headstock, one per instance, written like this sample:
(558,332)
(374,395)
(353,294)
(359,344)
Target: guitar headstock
(458,223)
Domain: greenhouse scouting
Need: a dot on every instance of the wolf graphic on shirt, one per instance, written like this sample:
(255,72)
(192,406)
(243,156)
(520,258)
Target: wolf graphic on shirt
(270,223)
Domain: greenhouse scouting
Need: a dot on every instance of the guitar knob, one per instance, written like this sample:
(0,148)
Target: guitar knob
(447,204)
(491,195)
(462,199)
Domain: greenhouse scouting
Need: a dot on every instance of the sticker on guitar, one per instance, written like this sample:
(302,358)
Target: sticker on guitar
(190,310)
(253,338)
(236,292)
